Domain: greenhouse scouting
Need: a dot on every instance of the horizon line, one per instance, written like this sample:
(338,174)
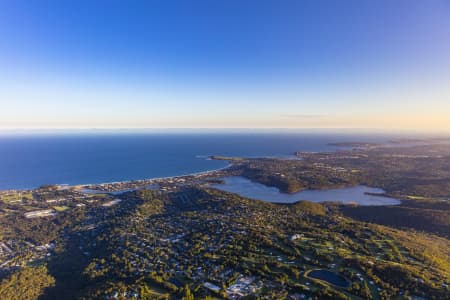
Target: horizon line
(228,129)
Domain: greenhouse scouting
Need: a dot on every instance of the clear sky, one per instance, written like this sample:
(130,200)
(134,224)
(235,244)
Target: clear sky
(225,64)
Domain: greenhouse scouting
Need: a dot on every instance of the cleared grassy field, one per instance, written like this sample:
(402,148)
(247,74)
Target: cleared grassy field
(60,208)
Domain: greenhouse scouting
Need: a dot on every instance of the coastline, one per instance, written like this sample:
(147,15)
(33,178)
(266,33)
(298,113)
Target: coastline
(140,182)
(232,161)
(149,181)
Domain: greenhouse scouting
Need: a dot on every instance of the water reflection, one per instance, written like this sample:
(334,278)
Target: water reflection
(357,194)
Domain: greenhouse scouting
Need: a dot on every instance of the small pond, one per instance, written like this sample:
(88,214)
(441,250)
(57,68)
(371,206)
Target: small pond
(357,194)
(330,277)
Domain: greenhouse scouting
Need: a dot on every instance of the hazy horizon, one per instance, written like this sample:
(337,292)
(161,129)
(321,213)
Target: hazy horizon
(345,134)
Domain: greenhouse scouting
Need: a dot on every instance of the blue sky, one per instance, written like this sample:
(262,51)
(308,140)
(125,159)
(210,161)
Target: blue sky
(227,64)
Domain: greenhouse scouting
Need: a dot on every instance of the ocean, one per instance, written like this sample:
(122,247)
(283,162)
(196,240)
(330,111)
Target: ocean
(31,160)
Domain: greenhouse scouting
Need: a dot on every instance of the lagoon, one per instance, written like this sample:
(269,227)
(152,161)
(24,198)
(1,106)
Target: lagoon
(254,190)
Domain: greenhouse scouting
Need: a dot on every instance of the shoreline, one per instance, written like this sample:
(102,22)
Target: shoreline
(148,181)
(144,181)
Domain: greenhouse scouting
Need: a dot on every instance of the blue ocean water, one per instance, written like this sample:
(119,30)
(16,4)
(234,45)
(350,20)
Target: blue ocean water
(31,160)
